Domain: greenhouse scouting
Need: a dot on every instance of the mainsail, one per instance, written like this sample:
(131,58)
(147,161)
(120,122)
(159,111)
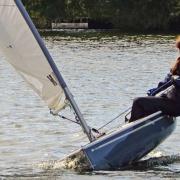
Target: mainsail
(25,54)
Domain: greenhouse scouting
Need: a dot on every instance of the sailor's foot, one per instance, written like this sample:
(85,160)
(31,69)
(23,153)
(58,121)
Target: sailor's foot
(126,120)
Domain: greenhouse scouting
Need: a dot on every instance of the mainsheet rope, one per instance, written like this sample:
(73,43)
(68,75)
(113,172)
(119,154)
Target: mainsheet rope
(120,114)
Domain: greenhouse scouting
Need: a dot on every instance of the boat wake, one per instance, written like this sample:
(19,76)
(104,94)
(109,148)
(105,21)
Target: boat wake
(153,162)
(78,162)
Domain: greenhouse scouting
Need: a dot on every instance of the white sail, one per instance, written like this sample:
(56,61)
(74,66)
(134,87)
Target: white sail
(24,53)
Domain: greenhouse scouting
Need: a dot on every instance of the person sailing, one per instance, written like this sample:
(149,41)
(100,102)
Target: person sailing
(168,102)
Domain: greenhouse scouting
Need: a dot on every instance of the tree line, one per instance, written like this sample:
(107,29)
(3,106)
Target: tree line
(125,15)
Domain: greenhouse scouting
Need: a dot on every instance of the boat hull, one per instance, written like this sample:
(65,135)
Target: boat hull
(130,143)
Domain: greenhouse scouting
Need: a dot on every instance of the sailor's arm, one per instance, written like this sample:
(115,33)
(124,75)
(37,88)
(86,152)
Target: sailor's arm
(162,85)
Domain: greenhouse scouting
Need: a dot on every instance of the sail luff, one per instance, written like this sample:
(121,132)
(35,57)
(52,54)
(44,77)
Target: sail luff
(40,42)
(59,77)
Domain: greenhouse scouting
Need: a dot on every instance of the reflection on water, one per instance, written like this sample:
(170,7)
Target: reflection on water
(104,74)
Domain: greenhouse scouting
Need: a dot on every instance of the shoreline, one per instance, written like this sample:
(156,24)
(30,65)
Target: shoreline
(99,32)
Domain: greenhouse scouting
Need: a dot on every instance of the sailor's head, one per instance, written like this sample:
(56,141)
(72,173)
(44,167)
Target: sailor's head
(175,69)
(178,42)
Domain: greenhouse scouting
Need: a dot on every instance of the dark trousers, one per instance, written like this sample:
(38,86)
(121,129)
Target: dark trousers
(144,106)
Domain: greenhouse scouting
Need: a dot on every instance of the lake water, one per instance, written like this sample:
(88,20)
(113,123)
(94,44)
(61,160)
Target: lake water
(104,74)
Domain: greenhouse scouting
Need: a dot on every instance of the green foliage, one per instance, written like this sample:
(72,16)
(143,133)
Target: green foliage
(131,15)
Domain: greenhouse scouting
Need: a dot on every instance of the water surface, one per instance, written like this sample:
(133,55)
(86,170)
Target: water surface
(104,75)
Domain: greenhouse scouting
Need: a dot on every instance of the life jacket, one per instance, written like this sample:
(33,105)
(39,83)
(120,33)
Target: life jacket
(168,88)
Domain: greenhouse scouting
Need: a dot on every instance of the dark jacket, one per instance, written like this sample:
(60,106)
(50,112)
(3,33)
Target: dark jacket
(172,84)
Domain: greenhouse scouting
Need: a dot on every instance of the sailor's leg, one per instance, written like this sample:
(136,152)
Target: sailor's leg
(137,111)
(144,106)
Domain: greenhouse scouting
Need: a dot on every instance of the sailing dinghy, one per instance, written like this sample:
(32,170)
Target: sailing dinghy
(25,51)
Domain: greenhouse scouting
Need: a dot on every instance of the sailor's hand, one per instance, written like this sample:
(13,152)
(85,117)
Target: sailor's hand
(176,80)
(175,77)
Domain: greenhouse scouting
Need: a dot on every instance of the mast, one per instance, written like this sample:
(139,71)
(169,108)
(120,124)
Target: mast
(61,81)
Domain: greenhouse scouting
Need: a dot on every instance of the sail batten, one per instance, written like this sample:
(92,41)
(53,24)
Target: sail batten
(26,52)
